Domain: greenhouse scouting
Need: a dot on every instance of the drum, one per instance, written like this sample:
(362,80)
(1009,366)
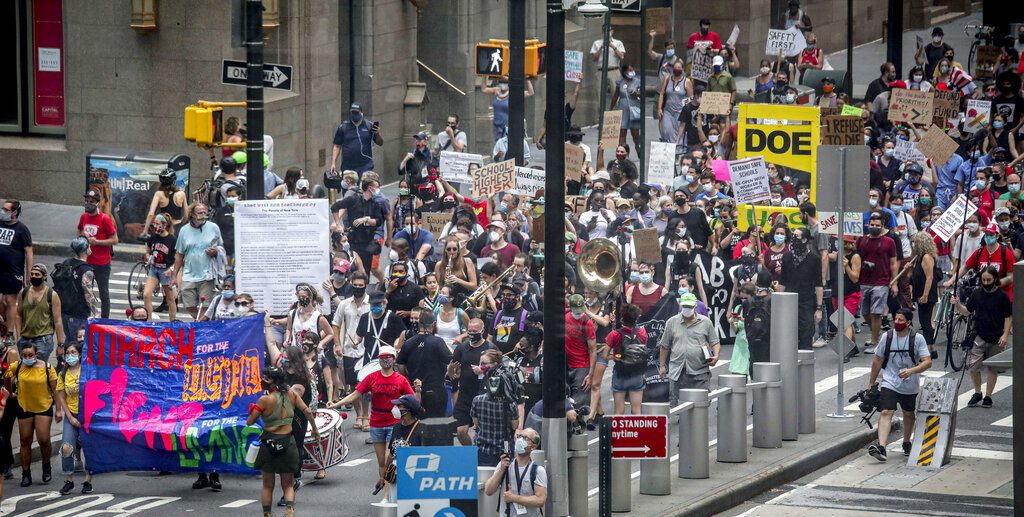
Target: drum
(331,449)
(367,369)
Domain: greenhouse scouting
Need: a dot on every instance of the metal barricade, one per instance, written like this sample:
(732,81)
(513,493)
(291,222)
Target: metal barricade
(654,473)
(693,435)
(805,361)
(732,419)
(767,405)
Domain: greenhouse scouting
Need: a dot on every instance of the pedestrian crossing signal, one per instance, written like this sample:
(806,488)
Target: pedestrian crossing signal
(491,60)
(204,125)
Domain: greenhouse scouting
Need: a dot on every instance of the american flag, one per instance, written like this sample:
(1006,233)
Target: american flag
(962,82)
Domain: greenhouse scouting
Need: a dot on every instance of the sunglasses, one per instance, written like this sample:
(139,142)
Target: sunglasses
(243,304)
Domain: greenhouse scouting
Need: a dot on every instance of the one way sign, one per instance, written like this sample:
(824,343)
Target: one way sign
(278,77)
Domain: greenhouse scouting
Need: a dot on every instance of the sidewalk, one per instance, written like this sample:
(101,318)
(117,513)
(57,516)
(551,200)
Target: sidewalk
(54,226)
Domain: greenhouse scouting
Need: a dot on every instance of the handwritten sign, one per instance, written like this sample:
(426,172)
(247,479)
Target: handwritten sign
(715,103)
(575,160)
(978,112)
(455,167)
(937,147)
(659,19)
(988,60)
(750,181)
(851,110)
(790,42)
(661,166)
(840,130)
(853,223)
(579,203)
(528,181)
(907,150)
(945,106)
(573,65)
(952,218)
(912,106)
(610,131)
(493,178)
(435,222)
(700,60)
(646,244)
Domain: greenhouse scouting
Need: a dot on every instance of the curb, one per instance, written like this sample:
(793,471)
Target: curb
(781,473)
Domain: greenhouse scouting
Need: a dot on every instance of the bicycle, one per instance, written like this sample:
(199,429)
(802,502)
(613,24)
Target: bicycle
(137,286)
(959,328)
(984,36)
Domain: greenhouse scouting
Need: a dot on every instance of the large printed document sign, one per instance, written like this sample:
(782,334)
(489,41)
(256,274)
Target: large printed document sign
(170,396)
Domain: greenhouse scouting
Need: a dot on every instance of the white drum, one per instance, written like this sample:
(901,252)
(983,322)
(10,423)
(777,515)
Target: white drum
(367,369)
(331,449)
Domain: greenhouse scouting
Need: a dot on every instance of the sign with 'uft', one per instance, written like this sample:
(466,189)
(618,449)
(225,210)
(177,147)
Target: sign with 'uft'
(278,77)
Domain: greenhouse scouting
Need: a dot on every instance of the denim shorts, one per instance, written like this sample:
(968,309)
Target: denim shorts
(44,345)
(626,382)
(380,434)
(159,274)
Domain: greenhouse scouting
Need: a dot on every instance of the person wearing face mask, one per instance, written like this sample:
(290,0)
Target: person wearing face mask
(98,227)
(1008,101)
(580,348)
(224,218)
(466,375)
(424,361)
(195,251)
(627,380)
(916,79)
(810,57)
(409,411)
(993,321)
(363,215)
(829,96)
(222,306)
(627,99)
(964,243)
(68,400)
(417,238)
(879,259)
(307,318)
(887,161)
(171,200)
(929,55)
(796,17)
(39,323)
(33,382)
(452,321)
(704,34)
(452,138)
(597,218)
(721,80)
(354,140)
(379,328)
(801,273)
(689,348)
(666,60)
(675,89)
(416,165)
(493,418)
(1002,136)
(647,293)
(1013,190)
(993,254)
(338,288)
(347,346)
(500,103)
(765,81)
(496,242)
(522,482)
(160,255)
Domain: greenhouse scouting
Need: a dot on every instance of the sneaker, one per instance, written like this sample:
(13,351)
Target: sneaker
(820,343)
(298,485)
(26,478)
(975,399)
(987,403)
(8,474)
(67,488)
(368,441)
(202,482)
(886,323)
(282,502)
(906,448)
(876,451)
(869,348)
(86,487)
(215,485)
(856,327)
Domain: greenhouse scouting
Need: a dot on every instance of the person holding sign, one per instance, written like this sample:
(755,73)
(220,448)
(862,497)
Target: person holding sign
(627,99)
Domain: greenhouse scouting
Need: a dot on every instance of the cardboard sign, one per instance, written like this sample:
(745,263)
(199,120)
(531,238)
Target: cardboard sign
(978,113)
(434,222)
(851,110)
(610,131)
(454,167)
(661,166)
(854,223)
(790,42)
(988,60)
(840,130)
(648,249)
(907,150)
(575,160)
(579,204)
(828,111)
(573,65)
(952,218)
(945,105)
(528,181)
(659,19)
(701,63)
(912,106)
(715,103)
(750,181)
(493,178)
(937,147)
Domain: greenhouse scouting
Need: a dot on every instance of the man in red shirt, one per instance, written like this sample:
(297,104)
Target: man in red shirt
(98,227)
(993,254)
(878,253)
(705,34)
(580,349)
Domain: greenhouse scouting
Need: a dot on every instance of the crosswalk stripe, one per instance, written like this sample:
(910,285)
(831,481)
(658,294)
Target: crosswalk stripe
(832,381)
(356,462)
(238,504)
(985,454)
(1004,422)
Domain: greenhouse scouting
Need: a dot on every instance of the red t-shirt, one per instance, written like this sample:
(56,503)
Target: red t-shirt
(480,209)
(99,227)
(645,301)
(716,42)
(614,338)
(877,251)
(982,259)
(383,390)
(576,336)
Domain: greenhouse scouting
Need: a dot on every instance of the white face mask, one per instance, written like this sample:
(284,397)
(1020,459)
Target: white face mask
(765,70)
(395,412)
(713,138)
(688,312)
(917,78)
(521,445)
(493,237)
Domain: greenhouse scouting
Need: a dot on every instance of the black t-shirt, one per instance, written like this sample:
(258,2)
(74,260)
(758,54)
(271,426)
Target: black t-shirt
(990,311)
(690,119)
(801,278)
(14,238)
(627,190)
(387,328)
(405,298)
(1008,107)
(426,357)
(507,328)
(533,392)
(469,383)
(934,55)
(224,218)
(404,436)
(162,249)
(697,227)
(358,207)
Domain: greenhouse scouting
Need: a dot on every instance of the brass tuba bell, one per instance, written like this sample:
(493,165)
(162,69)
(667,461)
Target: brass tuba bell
(599,266)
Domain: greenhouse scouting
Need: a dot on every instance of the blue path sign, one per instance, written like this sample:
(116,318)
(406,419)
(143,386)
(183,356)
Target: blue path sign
(436,473)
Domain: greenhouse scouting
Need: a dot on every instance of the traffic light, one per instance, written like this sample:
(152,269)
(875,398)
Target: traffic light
(536,60)
(204,124)
(491,60)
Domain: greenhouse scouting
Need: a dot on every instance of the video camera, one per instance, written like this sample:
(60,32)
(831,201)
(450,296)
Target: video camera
(870,400)
(504,383)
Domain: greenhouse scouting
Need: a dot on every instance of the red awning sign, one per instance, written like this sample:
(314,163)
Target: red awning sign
(640,436)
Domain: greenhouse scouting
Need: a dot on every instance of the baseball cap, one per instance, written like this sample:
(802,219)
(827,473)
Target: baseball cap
(828,79)
(387,350)
(40,268)
(717,61)
(356,107)
(535,317)
(519,279)
(688,300)
(377,297)
(497,224)
(422,135)
(507,287)
(92,194)
(303,183)
(409,401)
(1001,211)
(576,301)
(601,175)
(623,202)
(937,30)
(992,228)
(342,265)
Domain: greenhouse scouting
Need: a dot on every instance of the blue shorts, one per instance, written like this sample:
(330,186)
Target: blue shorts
(43,344)
(627,382)
(601,359)
(159,274)
(380,434)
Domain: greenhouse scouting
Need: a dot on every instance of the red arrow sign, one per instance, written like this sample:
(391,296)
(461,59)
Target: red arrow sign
(640,436)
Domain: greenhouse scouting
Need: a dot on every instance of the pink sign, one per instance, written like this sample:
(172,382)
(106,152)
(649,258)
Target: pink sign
(721,170)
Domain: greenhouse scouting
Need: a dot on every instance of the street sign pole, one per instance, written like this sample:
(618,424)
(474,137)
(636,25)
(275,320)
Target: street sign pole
(840,287)
(254,99)
(604,466)
(641,152)
(516,80)
(603,81)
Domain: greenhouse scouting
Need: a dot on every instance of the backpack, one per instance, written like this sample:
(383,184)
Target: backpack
(1002,257)
(757,320)
(632,353)
(68,283)
(215,200)
(911,343)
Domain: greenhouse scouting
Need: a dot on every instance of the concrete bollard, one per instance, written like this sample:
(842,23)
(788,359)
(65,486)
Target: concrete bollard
(732,419)
(577,455)
(806,367)
(785,313)
(384,510)
(654,473)
(486,506)
(694,456)
(768,406)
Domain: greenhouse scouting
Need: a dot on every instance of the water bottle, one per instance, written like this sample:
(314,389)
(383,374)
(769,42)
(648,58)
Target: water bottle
(252,452)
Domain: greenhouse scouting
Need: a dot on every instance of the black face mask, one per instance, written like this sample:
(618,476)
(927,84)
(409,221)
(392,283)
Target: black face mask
(447,205)
(990,287)
(875,232)
(358,292)
(508,305)
(799,246)
(475,336)
(304,302)
(36,281)
(414,327)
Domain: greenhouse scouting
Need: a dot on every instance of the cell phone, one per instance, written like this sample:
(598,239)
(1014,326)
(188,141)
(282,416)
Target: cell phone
(377,491)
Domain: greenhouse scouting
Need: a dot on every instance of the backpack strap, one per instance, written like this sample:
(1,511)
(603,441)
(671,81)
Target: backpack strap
(522,320)
(888,348)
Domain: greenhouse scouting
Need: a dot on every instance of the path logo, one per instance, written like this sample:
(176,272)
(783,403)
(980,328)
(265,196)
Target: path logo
(412,464)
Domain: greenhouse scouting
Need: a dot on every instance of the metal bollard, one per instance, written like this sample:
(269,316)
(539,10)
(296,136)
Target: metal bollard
(654,473)
(732,419)
(785,312)
(806,362)
(486,506)
(577,456)
(384,510)
(694,456)
(768,406)
(622,485)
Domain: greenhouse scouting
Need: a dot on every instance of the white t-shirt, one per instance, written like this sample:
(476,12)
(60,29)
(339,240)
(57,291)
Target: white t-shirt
(905,228)
(443,140)
(601,228)
(519,483)
(613,58)
(900,359)
(348,310)
(219,311)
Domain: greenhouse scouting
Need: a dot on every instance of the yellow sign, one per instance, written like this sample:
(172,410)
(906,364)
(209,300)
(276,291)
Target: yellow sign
(766,216)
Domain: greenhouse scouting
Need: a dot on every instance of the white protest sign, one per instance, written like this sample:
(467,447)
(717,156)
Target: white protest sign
(454,166)
(262,230)
(907,150)
(701,60)
(977,115)
(854,223)
(750,181)
(661,166)
(528,181)
(573,65)
(790,42)
(735,35)
(953,218)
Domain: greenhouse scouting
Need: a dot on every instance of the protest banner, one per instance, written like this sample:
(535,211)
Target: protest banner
(161,396)
(953,218)
(829,221)
(661,166)
(493,178)
(454,167)
(263,229)
(434,222)
(610,131)
(575,160)
(573,65)
(528,181)
(790,42)
(700,61)
(750,181)
(937,147)
(842,130)
(987,61)
(907,150)
(945,106)
(648,249)
(978,112)
(715,103)
(912,106)
(851,110)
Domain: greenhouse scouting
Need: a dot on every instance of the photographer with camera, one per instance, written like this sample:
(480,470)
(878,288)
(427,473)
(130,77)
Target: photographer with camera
(494,412)
(525,495)
(900,356)
(530,361)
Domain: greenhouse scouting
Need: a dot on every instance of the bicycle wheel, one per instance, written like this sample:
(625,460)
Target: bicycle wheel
(956,334)
(137,285)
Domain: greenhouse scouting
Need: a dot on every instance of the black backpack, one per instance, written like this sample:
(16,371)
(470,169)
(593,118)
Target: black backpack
(68,284)
(911,343)
(757,320)
(633,354)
